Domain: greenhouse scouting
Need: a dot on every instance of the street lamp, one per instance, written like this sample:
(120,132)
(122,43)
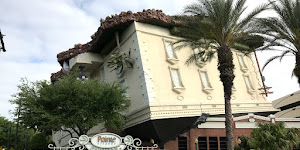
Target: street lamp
(196,142)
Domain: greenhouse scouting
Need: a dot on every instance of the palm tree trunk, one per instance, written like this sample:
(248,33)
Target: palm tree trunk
(226,67)
(297,66)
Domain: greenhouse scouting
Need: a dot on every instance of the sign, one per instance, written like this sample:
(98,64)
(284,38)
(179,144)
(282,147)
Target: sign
(106,140)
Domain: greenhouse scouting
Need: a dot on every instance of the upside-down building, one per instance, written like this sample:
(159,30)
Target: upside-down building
(167,95)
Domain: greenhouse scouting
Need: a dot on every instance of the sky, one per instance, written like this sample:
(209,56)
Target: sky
(37,30)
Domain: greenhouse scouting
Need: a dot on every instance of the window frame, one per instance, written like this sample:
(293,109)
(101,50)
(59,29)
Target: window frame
(204,88)
(242,63)
(250,91)
(199,62)
(186,143)
(213,142)
(102,75)
(126,88)
(171,60)
(223,143)
(201,142)
(177,89)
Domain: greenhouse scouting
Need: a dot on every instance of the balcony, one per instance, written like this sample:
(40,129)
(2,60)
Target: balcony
(90,61)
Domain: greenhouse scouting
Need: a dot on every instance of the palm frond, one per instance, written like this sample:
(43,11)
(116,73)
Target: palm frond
(284,54)
(241,24)
(269,61)
(204,55)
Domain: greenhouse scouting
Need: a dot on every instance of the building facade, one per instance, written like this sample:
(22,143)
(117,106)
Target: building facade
(289,106)
(212,134)
(166,94)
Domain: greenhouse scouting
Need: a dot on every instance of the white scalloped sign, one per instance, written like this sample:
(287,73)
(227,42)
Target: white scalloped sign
(106,140)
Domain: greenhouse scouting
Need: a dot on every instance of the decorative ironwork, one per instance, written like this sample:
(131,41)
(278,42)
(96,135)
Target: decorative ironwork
(105,141)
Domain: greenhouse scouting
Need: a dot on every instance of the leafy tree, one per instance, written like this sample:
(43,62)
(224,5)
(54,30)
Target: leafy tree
(274,136)
(282,33)
(40,141)
(9,128)
(217,24)
(71,104)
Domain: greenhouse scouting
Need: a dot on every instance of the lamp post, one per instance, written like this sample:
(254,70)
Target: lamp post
(196,143)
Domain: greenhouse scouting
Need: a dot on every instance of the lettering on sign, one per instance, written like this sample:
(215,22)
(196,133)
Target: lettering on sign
(106,140)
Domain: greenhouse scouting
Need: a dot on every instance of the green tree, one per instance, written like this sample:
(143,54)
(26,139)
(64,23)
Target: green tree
(274,136)
(71,104)
(8,134)
(39,141)
(217,24)
(282,33)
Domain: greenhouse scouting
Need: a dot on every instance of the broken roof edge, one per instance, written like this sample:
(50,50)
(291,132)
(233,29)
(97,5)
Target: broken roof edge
(150,16)
(57,75)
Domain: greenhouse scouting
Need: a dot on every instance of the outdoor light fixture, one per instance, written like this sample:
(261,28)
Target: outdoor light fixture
(2,43)
(196,142)
(152,141)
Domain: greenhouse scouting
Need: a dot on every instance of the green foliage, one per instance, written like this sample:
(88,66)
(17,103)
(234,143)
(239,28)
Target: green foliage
(71,104)
(218,23)
(118,59)
(282,33)
(216,26)
(274,136)
(39,141)
(5,126)
(244,143)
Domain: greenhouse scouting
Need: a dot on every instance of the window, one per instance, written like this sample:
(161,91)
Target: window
(102,74)
(182,143)
(169,50)
(249,84)
(243,65)
(202,143)
(199,62)
(223,144)
(176,79)
(205,81)
(124,86)
(171,56)
(213,143)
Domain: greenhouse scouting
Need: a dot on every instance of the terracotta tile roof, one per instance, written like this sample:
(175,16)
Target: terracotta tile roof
(72,52)
(55,76)
(108,26)
(151,16)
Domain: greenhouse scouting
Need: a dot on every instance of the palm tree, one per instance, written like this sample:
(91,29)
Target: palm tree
(274,136)
(217,24)
(283,32)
